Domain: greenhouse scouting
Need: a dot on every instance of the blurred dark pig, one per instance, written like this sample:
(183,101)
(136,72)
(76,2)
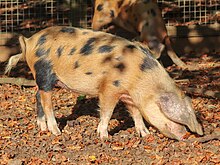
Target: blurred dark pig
(142,17)
(112,68)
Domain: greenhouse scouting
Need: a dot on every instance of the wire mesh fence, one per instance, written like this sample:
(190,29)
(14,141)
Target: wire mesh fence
(27,16)
(32,15)
(190,12)
(22,16)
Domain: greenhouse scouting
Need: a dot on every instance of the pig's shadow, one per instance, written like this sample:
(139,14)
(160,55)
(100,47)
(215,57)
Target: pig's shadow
(90,107)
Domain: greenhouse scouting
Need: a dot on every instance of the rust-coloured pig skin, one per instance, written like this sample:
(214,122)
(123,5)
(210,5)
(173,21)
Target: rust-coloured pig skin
(142,17)
(112,68)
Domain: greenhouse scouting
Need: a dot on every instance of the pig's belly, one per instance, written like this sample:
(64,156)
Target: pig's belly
(81,83)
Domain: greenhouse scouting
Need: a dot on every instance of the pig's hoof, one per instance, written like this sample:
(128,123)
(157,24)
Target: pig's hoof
(104,138)
(55,130)
(103,133)
(143,132)
(41,122)
(52,126)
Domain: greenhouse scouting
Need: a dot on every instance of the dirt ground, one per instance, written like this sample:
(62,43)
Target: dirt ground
(21,142)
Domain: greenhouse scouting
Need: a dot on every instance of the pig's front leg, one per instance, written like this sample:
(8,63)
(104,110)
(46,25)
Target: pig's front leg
(107,103)
(136,115)
(138,120)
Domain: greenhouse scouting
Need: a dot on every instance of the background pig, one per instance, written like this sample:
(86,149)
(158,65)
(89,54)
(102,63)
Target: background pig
(142,17)
(110,67)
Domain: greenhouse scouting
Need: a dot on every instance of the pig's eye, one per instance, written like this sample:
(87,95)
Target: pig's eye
(99,7)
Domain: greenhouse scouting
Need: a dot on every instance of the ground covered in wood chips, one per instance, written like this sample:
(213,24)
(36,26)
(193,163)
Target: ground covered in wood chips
(21,142)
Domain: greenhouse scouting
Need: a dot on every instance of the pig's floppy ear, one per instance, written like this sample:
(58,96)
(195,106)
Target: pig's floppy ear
(172,108)
(178,111)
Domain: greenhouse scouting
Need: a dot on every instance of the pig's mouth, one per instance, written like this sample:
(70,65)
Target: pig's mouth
(107,26)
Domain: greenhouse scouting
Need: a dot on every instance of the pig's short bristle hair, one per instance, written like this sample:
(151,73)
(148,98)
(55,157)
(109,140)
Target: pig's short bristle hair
(12,63)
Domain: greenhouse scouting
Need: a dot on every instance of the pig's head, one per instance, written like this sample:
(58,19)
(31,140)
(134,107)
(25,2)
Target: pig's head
(155,46)
(179,109)
(170,113)
(104,13)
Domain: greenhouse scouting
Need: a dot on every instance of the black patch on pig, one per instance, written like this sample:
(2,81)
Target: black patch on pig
(42,40)
(45,78)
(40,112)
(76,65)
(68,30)
(148,63)
(41,52)
(59,51)
(112,14)
(105,49)
(88,47)
(107,59)
(120,67)
(72,51)
(149,59)
(153,12)
(88,73)
(99,7)
(116,83)
(130,46)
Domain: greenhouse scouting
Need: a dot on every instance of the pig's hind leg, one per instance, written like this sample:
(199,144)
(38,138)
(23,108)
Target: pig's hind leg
(46,80)
(41,120)
(47,111)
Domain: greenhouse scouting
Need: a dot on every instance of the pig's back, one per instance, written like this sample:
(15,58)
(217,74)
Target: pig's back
(84,59)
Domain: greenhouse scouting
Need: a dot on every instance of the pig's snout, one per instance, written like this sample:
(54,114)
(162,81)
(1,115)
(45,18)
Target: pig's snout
(174,131)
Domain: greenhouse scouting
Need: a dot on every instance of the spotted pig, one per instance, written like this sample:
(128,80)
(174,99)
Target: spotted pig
(142,17)
(112,68)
